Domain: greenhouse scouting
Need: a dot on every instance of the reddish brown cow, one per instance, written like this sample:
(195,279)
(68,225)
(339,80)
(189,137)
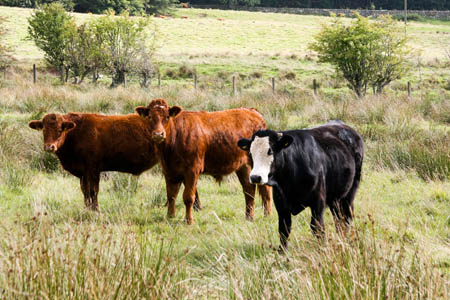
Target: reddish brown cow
(87,144)
(191,143)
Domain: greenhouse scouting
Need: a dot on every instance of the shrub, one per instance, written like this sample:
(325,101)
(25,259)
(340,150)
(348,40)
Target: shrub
(365,53)
(49,27)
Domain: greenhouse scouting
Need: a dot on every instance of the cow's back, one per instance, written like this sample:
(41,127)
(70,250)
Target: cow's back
(108,143)
(343,151)
(211,138)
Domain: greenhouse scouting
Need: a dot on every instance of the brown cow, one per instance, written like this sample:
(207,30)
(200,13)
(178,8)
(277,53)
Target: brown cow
(191,143)
(87,144)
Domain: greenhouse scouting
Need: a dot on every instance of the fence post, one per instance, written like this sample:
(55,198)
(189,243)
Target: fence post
(34,73)
(125,80)
(315,86)
(159,80)
(273,85)
(195,80)
(409,90)
(234,85)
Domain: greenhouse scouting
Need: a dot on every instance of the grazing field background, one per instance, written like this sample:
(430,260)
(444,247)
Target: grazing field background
(399,247)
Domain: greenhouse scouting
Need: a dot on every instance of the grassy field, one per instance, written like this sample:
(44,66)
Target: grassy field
(399,246)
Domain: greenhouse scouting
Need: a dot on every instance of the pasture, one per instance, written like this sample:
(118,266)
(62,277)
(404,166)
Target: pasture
(399,247)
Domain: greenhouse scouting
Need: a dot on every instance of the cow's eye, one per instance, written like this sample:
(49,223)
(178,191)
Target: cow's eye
(269,152)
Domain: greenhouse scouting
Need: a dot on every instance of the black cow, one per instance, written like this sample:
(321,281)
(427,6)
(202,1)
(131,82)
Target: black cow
(308,168)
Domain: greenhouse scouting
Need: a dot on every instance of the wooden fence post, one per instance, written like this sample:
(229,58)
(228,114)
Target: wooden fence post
(125,80)
(159,80)
(315,86)
(34,73)
(409,90)
(234,85)
(273,85)
(195,80)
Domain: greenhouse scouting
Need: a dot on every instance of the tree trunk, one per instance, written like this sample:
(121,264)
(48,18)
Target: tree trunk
(61,74)
(118,78)
(66,78)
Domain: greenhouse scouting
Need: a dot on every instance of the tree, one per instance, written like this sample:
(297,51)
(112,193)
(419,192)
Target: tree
(82,52)
(389,57)
(123,39)
(365,53)
(49,27)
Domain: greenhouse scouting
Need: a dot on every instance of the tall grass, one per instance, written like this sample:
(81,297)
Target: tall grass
(85,260)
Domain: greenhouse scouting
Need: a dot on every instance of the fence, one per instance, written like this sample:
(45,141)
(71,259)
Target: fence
(315,86)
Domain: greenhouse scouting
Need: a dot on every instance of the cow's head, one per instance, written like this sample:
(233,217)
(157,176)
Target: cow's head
(263,147)
(55,128)
(158,112)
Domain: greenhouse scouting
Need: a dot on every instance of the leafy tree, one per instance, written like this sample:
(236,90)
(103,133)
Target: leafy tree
(49,27)
(365,53)
(123,39)
(389,57)
(82,52)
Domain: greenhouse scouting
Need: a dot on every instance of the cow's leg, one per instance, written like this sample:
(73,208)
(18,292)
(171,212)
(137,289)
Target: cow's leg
(343,210)
(190,188)
(266,194)
(197,203)
(284,220)
(284,228)
(249,190)
(172,189)
(89,186)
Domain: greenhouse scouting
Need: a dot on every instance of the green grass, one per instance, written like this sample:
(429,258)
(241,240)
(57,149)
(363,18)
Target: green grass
(398,247)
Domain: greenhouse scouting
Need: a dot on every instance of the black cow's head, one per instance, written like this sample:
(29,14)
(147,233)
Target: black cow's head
(263,147)
(158,113)
(55,128)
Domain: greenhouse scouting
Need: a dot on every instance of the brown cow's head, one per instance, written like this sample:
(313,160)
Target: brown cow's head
(159,113)
(55,128)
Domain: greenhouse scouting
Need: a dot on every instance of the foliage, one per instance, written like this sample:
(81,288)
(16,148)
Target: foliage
(365,53)
(134,7)
(49,27)
(125,41)
(83,52)
(160,7)
(231,3)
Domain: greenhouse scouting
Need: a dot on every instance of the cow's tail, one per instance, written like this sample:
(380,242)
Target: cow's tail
(354,141)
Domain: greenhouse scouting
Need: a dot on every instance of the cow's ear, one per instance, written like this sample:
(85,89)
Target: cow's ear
(174,110)
(284,141)
(142,111)
(67,125)
(244,144)
(35,124)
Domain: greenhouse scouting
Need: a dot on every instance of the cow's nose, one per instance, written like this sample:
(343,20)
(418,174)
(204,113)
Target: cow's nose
(159,136)
(50,148)
(255,179)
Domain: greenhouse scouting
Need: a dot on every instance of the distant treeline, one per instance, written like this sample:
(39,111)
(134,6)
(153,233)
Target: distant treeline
(352,4)
(96,6)
(143,6)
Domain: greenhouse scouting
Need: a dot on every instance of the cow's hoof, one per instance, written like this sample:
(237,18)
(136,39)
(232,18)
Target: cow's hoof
(189,221)
(282,250)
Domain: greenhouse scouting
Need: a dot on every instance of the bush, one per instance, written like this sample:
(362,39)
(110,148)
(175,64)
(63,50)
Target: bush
(49,28)
(124,41)
(367,54)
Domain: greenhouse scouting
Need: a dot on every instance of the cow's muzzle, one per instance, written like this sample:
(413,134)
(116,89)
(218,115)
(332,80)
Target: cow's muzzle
(158,137)
(50,148)
(255,179)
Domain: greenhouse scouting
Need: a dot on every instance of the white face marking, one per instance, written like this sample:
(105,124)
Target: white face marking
(262,161)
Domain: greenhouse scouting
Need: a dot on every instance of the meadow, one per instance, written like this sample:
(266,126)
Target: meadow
(399,244)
